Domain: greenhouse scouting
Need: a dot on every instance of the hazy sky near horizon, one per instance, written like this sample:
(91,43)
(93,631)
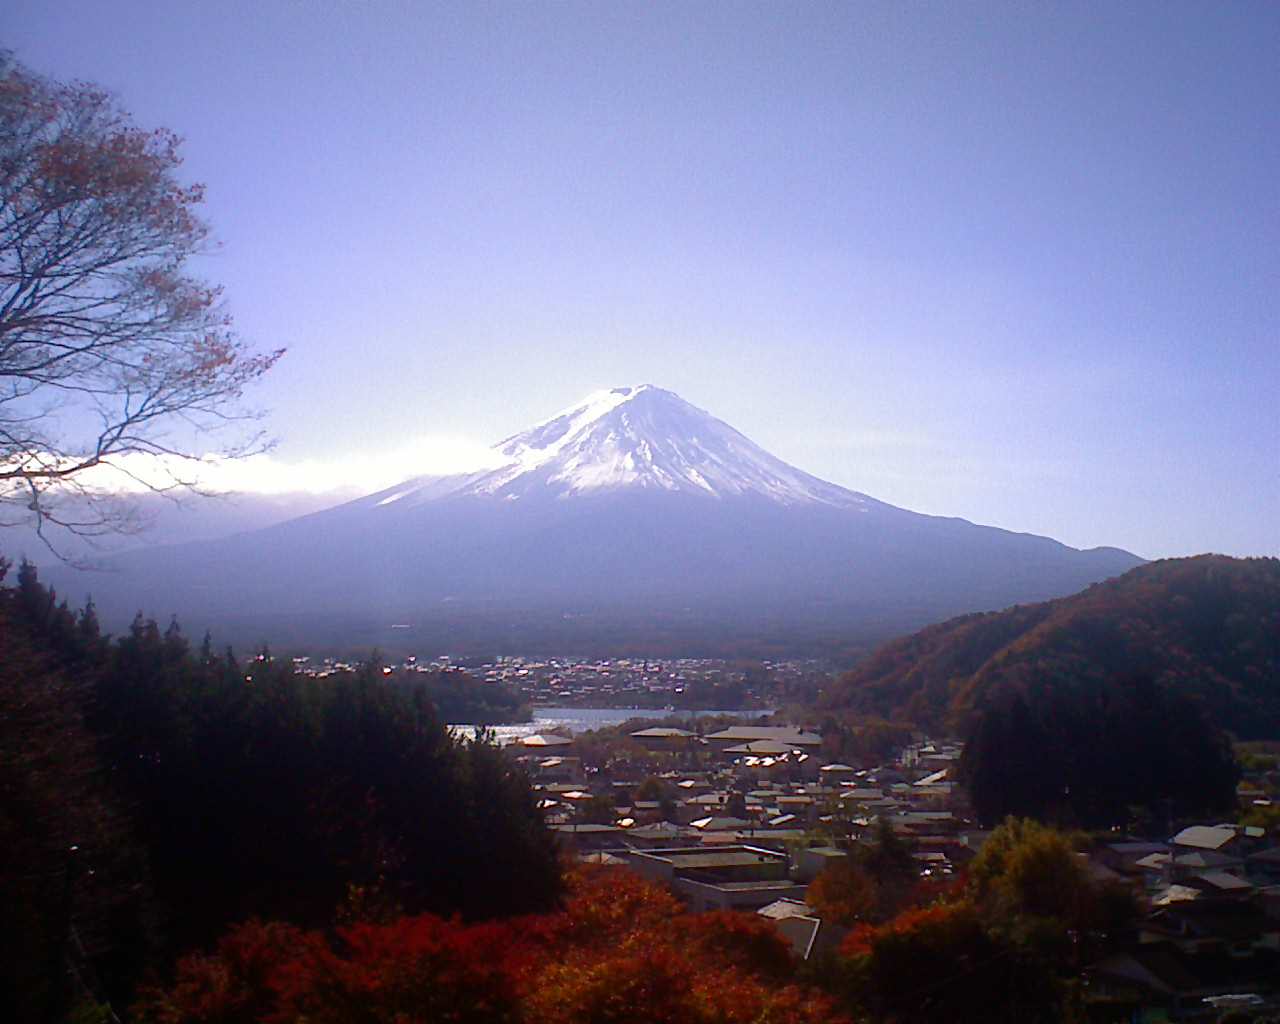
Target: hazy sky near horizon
(1018,263)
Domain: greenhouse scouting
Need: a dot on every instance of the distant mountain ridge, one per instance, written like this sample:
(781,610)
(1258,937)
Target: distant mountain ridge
(632,507)
(1208,627)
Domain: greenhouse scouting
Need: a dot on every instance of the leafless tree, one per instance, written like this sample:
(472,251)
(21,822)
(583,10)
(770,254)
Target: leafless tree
(111,354)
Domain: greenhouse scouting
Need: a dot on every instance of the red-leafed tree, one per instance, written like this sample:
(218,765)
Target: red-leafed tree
(974,976)
(844,894)
(111,353)
(619,952)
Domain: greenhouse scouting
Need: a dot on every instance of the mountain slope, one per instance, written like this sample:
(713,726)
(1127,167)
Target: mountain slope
(1207,626)
(641,439)
(632,507)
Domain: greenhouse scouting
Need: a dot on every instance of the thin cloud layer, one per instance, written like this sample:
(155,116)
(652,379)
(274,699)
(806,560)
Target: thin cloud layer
(351,473)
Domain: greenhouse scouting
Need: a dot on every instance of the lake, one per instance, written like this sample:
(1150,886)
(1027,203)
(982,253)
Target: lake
(581,719)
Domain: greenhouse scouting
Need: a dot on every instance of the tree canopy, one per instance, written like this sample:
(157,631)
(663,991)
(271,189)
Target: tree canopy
(1203,627)
(111,353)
(1097,757)
(246,788)
(620,951)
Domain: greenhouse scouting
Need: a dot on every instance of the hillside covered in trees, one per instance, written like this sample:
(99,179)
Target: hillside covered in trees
(1206,627)
(156,793)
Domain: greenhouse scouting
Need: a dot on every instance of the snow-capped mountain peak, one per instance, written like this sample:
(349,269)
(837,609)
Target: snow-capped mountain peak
(640,439)
(631,503)
(544,441)
(645,437)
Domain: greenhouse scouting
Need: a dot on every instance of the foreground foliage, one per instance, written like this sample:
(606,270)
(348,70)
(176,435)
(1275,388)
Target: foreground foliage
(877,879)
(1002,945)
(72,877)
(200,791)
(620,952)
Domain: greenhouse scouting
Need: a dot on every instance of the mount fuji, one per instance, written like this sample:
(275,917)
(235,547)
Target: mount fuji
(640,439)
(630,514)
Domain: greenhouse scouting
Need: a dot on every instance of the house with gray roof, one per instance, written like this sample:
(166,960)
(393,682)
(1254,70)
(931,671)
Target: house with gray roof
(807,933)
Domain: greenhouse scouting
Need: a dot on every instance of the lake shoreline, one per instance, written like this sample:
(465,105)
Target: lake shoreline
(584,719)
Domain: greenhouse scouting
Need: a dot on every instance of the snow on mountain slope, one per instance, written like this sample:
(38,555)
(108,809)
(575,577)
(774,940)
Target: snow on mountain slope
(632,501)
(630,438)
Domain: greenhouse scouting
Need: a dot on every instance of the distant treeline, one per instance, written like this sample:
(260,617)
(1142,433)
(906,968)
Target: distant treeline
(155,794)
(841,636)
(461,699)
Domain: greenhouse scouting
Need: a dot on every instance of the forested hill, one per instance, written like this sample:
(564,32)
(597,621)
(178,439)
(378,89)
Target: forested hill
(152,795)
(1208,627)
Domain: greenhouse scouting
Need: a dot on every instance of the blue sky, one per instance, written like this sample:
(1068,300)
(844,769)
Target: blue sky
(1018,263)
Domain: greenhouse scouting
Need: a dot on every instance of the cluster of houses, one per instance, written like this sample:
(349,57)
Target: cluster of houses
(611,682)
(763,785)
(638,682)
(733,822)
(1210,938)
(746,817)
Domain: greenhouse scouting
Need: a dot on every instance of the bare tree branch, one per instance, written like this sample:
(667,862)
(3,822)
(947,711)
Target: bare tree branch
(98,319)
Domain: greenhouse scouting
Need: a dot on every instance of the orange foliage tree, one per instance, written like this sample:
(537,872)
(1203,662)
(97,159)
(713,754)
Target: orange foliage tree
(941,963)
(844,893)
(620,951)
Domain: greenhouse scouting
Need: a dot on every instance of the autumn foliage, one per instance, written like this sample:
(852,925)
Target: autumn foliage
(620,950)
(1202,627)
(943,962)
(844,893)
(99,316)
(1001,943)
